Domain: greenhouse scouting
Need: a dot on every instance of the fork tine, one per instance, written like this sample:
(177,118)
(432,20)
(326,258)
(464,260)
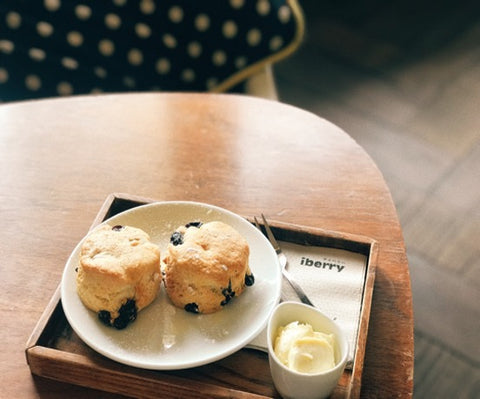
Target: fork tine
(257,225)
(270,234)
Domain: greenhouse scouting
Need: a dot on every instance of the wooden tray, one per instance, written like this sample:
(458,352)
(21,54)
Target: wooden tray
(54,350)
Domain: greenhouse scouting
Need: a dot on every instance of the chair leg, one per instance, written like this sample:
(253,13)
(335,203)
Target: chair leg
(262,84)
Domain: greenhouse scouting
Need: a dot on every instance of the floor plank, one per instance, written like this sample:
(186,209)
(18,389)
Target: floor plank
(446,307)
(441,373)
(412,100)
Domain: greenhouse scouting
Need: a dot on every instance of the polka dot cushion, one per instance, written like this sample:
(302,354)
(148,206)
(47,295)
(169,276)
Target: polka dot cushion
(65,47)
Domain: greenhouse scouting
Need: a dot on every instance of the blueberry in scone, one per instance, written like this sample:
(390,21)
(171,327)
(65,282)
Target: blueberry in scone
(118,273)
(205,266)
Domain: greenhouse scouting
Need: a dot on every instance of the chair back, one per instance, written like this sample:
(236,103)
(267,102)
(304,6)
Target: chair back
(65,47)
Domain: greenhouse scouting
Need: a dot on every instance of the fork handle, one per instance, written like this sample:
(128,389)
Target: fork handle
(299,291)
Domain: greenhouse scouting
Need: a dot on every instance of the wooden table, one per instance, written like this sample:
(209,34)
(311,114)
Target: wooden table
(61,158)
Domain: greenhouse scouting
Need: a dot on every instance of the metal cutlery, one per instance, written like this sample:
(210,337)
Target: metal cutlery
(283,261)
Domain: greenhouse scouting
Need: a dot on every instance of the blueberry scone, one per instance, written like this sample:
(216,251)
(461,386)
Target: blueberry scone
(118,273)
(205,266)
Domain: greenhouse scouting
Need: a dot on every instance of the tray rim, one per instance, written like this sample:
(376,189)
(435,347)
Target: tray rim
(36,353)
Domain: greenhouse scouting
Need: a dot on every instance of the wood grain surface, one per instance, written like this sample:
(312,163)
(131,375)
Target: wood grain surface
(61,158)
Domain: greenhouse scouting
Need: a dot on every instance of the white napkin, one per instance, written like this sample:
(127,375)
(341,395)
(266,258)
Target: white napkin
(333,280)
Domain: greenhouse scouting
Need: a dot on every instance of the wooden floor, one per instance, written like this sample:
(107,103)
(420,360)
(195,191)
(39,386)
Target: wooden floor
(405,83)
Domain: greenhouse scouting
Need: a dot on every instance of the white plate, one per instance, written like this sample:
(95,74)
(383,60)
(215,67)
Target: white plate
(165,337)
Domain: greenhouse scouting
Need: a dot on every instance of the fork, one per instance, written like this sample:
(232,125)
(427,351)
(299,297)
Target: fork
(283,261)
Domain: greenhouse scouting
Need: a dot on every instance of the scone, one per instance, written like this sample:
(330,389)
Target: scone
(205,266)
(118,273)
